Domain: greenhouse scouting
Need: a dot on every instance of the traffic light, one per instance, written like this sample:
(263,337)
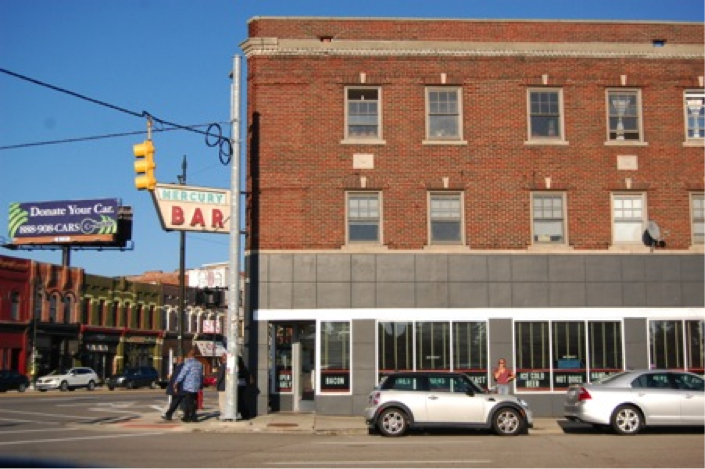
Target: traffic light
(145,166)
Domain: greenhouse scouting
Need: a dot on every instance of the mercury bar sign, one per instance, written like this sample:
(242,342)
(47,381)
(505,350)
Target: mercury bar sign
(191,208)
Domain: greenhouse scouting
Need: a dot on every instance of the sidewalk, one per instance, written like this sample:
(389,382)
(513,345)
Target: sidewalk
(289,422)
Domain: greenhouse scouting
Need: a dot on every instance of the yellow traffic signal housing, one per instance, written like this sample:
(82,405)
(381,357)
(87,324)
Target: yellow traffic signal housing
(145,166)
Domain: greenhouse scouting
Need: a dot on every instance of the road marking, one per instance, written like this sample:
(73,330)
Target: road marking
(43,414)
(433,463)
(41,430)
(30,421)
(56,440)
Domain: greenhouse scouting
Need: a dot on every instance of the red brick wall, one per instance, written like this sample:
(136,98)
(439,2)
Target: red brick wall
(298,169)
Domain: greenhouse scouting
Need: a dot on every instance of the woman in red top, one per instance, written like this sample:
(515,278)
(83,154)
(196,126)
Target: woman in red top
(503,376)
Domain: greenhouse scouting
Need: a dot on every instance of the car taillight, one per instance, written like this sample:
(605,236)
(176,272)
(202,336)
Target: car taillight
(584,395)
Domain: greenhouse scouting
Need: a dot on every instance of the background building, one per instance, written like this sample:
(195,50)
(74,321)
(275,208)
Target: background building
(437,194)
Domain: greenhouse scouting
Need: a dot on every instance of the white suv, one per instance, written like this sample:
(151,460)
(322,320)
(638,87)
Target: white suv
(68,380)
(418,399)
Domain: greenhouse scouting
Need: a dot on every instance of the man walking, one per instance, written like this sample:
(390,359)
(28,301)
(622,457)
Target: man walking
(190,380)
(175,395)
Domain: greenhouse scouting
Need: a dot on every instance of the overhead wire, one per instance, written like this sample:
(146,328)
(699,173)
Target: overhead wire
(224,144)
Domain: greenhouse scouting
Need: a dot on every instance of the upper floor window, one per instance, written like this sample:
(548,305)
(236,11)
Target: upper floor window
(446,218)
(68,306)
(628,218)
(697,211)
(624,116)
(548,215)
(363,119)
(545,114)
(443,114)
(86,311)
(364,214)
(14,306)
(53,302)
(695,115)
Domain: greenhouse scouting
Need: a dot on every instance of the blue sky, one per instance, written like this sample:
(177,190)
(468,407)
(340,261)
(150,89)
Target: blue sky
(171,59)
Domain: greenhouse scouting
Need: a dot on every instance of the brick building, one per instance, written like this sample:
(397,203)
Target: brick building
(437,194)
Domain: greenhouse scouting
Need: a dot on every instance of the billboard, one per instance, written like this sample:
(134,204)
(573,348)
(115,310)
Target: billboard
(192,208)
(91,221)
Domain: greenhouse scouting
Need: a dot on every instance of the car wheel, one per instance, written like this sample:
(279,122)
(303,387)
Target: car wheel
(627,420)
(112,388)
(21,388)
(393,422)
(507,422)
(64,386)
(91,385)
(43,390)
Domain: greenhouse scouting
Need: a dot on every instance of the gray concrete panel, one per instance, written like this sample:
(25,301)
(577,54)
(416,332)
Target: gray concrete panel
(636,348)
(662,268)
(530,268)
(432,295)
(333,295)
(499,295)
(499,268)
(468,295)
(603,269)
(304,268)
(262,300)
(363,295)
(693,268)
(395,268)
(566,268)
(431,268)
(281,295)
(602,295)
(634,294)
(663,294)
(334,405)
(333,268)
(632,268)
(281,267)
(692,294)
(567,295)
(304,296)
(467,268)
(363,267)
(396,295)
(530,295)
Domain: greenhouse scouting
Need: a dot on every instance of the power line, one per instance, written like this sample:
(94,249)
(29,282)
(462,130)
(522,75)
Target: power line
(95,137)
(226,150)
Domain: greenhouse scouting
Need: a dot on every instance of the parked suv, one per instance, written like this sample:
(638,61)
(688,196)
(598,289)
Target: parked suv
(135,377)
(407,400)
(68,380)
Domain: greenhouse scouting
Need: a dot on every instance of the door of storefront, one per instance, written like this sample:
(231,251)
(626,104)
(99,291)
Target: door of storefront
(295,354)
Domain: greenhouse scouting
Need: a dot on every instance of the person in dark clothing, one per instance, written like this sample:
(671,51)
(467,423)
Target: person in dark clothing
(244,380)
(175,397)
(220,384)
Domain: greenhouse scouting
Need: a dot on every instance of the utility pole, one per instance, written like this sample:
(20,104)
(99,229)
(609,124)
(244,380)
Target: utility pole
(233,319)
(182,273)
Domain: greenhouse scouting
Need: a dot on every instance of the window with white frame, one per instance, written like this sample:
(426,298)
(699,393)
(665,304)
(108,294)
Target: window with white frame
(335,356)
(363,113)
(548,215)
(364,215)
(677,344)
(624,116)
(443,113)
(446,218)
(545,114)
(697,213)
(628,218)
(695,115)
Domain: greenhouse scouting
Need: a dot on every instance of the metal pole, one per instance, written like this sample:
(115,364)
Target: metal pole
(233,323)
(182,273)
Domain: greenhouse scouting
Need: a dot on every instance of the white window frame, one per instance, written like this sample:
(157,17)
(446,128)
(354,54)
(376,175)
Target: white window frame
(348,219)
(563,219)
(349,137)
(461,201)
(697,217)
(691,108)
(617,196)
(559,136)
(438,137)
(610,94)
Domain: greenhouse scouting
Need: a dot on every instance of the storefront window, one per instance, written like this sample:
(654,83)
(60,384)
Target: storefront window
(694,341)
(395,347)
(533,360)
(433,346)
(282,357)
(568,354)
(605,349)
(470,350)
(335,357)
(666,339)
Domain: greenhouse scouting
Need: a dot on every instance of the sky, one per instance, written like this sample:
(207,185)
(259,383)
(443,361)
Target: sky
(171,59)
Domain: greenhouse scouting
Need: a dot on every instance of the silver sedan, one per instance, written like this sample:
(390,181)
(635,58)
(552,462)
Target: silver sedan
(629,401)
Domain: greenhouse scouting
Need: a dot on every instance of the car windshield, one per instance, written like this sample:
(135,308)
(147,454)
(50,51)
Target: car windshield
(58,371)
(610,378)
